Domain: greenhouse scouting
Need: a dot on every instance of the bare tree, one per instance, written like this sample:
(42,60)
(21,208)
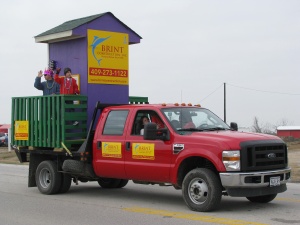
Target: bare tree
(256,127)
(283,122)
(267,128)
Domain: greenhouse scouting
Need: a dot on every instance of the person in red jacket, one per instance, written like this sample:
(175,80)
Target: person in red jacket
(68,85)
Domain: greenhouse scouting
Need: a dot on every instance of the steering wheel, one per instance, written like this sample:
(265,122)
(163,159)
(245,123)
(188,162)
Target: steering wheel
(202,126)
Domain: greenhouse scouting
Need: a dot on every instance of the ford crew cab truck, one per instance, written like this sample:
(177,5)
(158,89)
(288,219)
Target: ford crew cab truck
(185,146)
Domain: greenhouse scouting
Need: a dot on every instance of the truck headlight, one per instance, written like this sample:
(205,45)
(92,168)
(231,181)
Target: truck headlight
(231,160)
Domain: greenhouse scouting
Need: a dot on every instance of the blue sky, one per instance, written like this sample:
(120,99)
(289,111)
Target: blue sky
(188,51)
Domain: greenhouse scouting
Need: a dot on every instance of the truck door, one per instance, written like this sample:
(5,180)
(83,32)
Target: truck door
(109,145)
(144,159)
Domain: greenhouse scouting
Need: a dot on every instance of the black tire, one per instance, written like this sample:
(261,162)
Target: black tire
(202,190)
(109,182)
(65,183)
(89,171)
(262,199)
(122,183)
(47,178)
(73,166)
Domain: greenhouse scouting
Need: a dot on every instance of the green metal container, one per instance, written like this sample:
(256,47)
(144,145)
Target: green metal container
(138,100)
(49,121)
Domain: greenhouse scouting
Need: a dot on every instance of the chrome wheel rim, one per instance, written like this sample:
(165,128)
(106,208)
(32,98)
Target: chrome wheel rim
(198,191)
(45,178)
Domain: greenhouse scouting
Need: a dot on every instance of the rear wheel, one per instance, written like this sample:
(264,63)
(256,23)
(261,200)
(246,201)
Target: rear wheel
(109,182)
(202,190)
(262,199)
(48,179)
(65,183)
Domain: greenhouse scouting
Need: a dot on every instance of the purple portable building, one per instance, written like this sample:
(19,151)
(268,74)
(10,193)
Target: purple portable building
(67,44)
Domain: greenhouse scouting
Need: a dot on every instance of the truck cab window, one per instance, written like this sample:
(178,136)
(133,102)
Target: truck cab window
(141,116)
(138,122)
(189,117)
(115,122)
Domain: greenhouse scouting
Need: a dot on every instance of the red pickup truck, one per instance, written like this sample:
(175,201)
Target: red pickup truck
(185,146)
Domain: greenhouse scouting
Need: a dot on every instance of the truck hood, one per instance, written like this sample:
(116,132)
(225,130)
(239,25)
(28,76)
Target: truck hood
(227,139)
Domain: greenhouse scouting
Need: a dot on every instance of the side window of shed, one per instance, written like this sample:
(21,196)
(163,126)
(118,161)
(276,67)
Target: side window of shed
(115,122)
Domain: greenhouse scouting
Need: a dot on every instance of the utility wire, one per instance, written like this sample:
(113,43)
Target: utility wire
(211,93)
(274,92)
(252,89)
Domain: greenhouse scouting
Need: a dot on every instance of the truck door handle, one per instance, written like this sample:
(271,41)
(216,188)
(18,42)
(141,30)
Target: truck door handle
(98,144)
(127,146)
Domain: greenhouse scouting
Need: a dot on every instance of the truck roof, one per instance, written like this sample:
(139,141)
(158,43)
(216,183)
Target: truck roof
(159,106)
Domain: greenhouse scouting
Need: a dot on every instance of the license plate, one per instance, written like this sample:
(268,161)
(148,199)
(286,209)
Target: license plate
(274,181)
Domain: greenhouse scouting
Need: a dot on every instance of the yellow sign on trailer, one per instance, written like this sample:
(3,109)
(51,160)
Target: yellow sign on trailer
(21,130)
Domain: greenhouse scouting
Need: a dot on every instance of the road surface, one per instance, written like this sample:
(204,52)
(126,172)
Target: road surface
(88,204)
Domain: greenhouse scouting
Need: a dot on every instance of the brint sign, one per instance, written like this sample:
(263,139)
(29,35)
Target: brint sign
(107,57)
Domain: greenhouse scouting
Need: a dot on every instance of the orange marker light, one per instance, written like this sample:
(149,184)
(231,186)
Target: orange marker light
(231,158)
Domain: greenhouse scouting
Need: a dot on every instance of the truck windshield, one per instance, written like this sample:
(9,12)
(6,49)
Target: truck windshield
(194,119)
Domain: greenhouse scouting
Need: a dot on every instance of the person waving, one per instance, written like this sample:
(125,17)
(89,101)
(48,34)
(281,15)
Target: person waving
(68,85)
(49,86)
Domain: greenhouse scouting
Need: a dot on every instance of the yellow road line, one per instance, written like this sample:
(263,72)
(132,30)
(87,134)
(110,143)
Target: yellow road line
(187,216)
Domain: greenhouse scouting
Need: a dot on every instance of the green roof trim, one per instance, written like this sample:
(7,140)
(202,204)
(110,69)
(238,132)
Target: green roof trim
(70,25)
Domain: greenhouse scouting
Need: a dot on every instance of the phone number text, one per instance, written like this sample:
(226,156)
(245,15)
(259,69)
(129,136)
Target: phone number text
(108,72)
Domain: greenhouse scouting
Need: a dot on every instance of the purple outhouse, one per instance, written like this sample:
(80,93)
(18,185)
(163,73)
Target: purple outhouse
(69,45)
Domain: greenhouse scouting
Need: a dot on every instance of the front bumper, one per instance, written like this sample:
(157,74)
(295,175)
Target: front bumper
(254,183)
(254,179)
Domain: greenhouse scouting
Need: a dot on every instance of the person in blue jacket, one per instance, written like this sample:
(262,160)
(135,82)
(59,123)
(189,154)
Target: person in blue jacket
(49,86)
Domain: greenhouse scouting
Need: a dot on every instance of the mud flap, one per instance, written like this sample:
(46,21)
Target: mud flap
(34,161)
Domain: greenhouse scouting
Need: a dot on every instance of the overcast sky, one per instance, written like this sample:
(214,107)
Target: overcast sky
(190,48)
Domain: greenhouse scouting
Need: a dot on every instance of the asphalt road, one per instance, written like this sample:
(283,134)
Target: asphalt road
(88,204)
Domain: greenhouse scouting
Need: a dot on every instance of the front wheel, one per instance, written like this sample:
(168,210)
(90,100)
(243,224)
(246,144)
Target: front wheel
(47,178)
(202,190)
(262,199)
(122,183)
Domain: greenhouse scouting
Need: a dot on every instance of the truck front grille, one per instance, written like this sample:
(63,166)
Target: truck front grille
(263,155)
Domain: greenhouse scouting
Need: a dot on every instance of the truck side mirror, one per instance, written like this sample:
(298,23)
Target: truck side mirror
(152,133)
(234,126)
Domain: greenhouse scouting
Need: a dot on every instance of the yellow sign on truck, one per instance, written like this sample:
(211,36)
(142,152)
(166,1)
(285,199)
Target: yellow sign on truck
(21,130)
